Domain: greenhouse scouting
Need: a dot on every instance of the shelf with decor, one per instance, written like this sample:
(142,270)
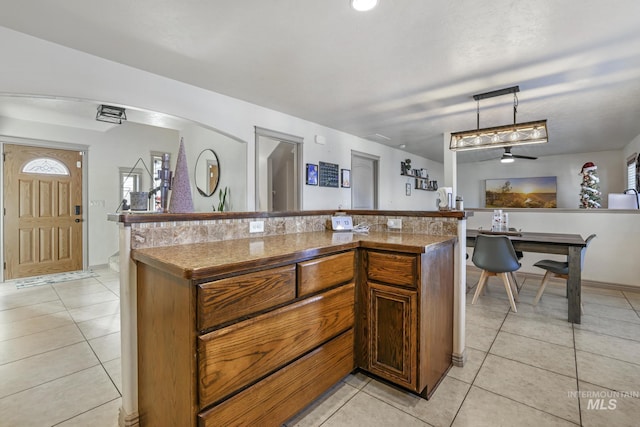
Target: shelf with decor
(421,176)
(425,184)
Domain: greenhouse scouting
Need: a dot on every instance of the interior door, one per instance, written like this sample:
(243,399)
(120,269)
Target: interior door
(364,182)
(43,211)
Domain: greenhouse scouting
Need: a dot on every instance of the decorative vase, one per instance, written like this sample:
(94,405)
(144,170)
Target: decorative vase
(181,199)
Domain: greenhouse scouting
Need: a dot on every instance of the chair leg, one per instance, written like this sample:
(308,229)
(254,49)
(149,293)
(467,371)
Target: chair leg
(514,286)
(485,287)
(545,279)
(483,279)
(507,286)
(515,281)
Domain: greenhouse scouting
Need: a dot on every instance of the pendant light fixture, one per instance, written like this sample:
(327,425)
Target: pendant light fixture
(500,136)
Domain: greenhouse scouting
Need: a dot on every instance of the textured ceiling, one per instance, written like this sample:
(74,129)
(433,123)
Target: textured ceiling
(406,70)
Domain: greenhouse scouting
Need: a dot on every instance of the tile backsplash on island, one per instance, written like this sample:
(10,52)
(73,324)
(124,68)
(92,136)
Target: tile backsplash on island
(167,233)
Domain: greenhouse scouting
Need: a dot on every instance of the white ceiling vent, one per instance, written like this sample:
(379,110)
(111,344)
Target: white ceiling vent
(378,138)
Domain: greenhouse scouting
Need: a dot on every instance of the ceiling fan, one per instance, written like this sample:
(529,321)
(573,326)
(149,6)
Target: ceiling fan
(508,157)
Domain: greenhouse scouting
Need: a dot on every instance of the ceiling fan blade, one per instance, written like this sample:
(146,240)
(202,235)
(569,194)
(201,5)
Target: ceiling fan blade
(518,156)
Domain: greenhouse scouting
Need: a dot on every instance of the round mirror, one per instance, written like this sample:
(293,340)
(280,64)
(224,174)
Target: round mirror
(207,172)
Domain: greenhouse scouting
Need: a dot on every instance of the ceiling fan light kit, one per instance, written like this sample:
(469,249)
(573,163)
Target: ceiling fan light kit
(500,136)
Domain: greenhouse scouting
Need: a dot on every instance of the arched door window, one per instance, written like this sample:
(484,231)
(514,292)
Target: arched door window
(45,166)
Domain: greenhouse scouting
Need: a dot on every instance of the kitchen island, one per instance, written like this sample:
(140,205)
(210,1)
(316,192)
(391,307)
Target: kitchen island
(294,249)
(250,331)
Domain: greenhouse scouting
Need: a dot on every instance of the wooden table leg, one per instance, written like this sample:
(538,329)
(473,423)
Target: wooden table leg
(574,283)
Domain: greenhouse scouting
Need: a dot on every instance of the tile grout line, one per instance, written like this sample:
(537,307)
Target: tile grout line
(100,362)
(88,410)
(49,381)
(507,397)
(527,405)
(481,365)
(389,404)
(632,306)
(43,352)
(575,357)
(358,390)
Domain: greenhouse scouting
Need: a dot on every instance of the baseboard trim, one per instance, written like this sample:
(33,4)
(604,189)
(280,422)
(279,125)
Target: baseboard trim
(459,359)
(610,286)
(585,283)
(128,420)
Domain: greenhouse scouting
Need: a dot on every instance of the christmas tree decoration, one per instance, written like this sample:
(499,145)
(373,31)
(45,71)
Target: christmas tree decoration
(589,187)
(181,200)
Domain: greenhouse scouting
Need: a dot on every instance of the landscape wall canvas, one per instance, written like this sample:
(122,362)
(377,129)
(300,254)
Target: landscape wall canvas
(538,192)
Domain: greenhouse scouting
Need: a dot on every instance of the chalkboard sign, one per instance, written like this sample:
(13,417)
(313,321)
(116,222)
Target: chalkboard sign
(329,174)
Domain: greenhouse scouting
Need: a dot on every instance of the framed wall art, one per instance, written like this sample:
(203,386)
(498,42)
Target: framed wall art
(536,192)
(345,178)
(312,174)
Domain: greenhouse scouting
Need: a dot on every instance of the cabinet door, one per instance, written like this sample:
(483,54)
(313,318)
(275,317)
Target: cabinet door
(393,326)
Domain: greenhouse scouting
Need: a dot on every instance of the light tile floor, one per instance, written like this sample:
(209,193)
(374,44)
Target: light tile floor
(60,363)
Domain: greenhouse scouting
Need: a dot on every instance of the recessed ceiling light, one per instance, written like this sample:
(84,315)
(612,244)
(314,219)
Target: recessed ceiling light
(363,5)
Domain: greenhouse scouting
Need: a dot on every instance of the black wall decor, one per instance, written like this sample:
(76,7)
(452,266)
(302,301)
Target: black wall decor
(329,175)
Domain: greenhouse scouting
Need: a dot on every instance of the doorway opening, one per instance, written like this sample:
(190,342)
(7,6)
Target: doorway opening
(278,159)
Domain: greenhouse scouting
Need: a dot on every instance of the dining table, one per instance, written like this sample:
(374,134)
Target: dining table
(570,245)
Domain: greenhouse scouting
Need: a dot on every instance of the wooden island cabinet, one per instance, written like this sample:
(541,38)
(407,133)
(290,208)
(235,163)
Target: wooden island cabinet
(255,334)
(407,305)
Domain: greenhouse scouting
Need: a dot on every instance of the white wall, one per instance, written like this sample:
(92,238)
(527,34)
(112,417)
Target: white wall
(472,176)
(391,192)
(232,161)
(611,258)
(632,148)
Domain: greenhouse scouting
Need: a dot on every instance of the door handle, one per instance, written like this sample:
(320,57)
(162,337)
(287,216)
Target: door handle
(78,220)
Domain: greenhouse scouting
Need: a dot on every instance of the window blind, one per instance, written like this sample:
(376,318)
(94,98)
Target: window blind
(631,172)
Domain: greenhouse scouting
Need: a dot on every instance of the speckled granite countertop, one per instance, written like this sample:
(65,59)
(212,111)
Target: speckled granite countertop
(202,260)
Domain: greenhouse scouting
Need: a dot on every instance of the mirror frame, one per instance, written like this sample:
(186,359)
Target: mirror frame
(195,172)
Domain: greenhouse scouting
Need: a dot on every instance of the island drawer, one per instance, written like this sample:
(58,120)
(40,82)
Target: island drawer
(236,356)
(281,395)
(224,300)
(321,273)
(393,268)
